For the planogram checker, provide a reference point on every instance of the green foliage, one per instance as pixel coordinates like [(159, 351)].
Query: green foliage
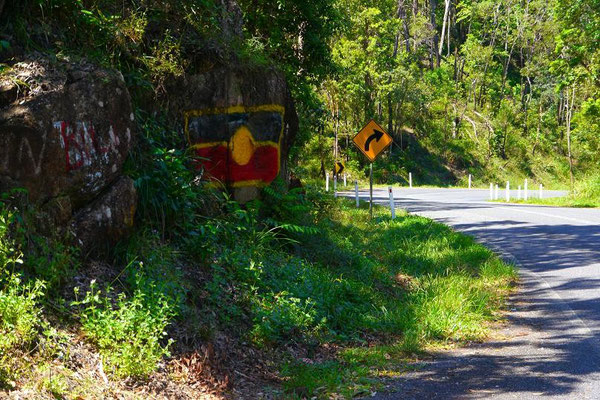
[(129, 332), (156, 38), (409, 278), (492, 106), (20, 317), (283, 317), (280, 26), (156, 266), (53, 261), (170, 192), (291, 210)]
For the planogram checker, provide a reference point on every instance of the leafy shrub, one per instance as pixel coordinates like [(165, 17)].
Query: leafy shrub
[(294, 210), (129, 332), (282, 316), (155, 266), (170, 194)]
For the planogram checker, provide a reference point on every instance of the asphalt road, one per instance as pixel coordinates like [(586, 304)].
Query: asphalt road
[(550, 346)]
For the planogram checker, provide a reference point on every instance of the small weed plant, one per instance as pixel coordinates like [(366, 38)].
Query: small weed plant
[(129, 332)]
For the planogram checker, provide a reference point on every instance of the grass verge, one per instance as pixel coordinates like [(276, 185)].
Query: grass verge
[(414, 284), (585, 195), (342, 300), (567, 201)]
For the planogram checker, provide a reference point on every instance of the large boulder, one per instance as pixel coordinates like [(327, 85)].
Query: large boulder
[(64, 129), (240, 123), (109, 217), (65, 132)]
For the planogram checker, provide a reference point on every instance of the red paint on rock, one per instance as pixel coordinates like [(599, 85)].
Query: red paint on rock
[(219, 165), (80, 143)]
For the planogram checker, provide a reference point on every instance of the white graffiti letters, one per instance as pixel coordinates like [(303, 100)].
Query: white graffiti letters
[(26, 154), (81, 144)]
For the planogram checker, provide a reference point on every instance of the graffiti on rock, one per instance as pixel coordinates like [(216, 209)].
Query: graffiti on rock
[(82, 147), (27, 156), (238, 146), (81, 144)]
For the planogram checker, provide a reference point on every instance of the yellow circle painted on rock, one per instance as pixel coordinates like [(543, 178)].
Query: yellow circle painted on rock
[(242, 146)]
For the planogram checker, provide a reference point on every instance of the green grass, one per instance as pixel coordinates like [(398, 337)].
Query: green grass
[(567, 201), (585, 195), (379, 290), (414, 283)]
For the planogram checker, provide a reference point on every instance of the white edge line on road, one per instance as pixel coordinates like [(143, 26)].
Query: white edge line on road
[(508, 256), (512, 208)]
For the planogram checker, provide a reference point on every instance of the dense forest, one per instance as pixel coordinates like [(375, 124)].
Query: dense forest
[(498, 88), (295, 294)]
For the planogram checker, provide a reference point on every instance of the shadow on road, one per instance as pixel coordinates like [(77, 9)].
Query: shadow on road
[(545, 349)]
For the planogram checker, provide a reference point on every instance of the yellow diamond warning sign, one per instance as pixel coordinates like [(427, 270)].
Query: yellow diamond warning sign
[(372, 140)]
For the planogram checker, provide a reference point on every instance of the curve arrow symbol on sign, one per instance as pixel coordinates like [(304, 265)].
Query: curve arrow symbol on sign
[(375, 136)]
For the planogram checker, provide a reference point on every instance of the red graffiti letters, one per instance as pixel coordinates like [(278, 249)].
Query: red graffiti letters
[(82, 146)]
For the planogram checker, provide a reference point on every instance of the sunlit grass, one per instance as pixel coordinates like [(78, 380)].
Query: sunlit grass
[(427, 285)]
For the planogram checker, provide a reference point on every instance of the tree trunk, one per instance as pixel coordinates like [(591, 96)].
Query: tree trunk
[(539, 129), (569, 110), (402, 15), (434, 45), (323, 172), (446, 9)]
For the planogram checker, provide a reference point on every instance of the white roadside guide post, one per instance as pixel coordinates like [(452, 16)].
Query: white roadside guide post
[(327, 182), (356, 193), (519, 193), (496, 193), (491, 191), (392, 207), (507, 191), (335, 185), (410, 179), (541, 190), (345, 180), (469, 181), (525, 194)]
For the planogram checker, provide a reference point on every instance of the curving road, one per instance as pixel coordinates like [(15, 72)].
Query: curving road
[(550, 347)]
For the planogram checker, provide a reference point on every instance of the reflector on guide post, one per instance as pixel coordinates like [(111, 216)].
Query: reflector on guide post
[(372, 140)]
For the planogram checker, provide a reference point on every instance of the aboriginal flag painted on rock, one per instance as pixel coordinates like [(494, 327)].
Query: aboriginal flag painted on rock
[(238, 146)]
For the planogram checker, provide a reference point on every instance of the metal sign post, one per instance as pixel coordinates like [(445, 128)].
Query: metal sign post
[(371, 190)]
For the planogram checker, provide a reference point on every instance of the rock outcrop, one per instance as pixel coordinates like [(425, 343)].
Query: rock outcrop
[(240, 123), (65, 132)]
